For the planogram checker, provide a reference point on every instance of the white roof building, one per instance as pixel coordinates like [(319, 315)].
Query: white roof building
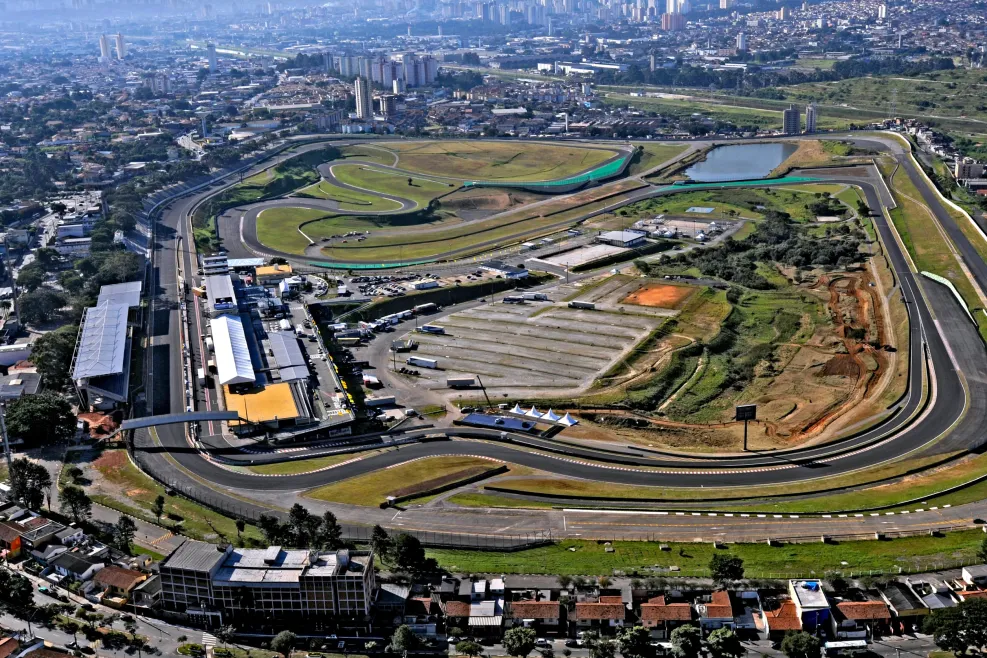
[(233, 362)]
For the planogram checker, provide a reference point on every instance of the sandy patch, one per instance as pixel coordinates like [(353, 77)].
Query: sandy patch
[(661, 295)]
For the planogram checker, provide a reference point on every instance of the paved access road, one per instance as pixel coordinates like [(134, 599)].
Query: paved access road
[(936, 318)]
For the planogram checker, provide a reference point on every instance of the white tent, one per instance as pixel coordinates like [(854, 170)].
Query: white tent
[(517, 409), (568, 421), (551, 416), (533, 413)]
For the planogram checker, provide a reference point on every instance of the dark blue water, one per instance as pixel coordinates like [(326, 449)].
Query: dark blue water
[(740, 162)]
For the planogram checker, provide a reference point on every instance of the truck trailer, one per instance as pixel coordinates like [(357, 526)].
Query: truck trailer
[(461, 382), (422, 362), (431, 329), (589, 306)]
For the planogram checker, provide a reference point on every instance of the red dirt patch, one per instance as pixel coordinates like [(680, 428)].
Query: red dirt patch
[(659, 295), (110, 461), (100, 424), (842, 364)]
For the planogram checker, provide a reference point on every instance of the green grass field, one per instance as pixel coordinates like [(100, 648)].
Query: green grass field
[(956, 93), (349, 199), (196, 521), (373, 488), (575, 557), (421, 190), (653, 155), (492, 161), (735, 203), (278, 228), (309, 465)]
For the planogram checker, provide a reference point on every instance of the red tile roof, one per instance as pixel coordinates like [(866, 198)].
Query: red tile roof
[(8, 645), (587, 611), (720, 605), (973, 594), (534, 610), (420, 606), (612, 599), (8, 533), (657, 610), (122, 579), (457, 609), (784, 618), (865, 610)]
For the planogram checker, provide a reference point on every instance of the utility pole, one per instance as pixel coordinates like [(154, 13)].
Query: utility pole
[(6, 441)]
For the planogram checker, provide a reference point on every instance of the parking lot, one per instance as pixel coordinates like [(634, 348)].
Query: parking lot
[(398, 285), (540, 347)]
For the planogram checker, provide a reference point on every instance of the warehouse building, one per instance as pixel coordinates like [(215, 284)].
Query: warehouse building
[(627, 238), (216, 585), (101, 363), (233, 363)]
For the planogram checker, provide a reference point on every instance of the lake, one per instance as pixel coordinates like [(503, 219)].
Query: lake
[(740, 162)]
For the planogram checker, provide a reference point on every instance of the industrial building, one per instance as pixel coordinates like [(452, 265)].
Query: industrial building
[(232, 355), (627, 238), (216, 585), (221, 295), (101, 363)]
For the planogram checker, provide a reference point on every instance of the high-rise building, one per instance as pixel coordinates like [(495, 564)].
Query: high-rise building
[(742, 43), (792, 120), (810, 118), (672, 22), (653, 62), (784, 14), (211, 57), (388, 105), (364, 107), (726, 4), (882, 12), (104, 48), (121, 47)]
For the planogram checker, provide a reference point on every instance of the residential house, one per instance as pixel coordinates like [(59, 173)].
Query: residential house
[(10, 541), (780, 616), (935, 594), (116, 585), (906, 607), (543, 616), (811, 603), (607, 612), (73, 566), (391, 599), (147, 595), (457, 614), (661, 617), (421, 615), (8, 646), (486, 617), (975, 575), (716, 612), (856, 620)]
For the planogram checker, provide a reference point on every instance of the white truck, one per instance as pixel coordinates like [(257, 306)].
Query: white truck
[(534, 296), (431, 329), (422, 362), (461, 382)]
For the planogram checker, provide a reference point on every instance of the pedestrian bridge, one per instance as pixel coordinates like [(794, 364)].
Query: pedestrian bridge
[(175, 419)]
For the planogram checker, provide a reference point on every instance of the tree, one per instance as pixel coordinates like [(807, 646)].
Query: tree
[(564, 581), (76, 503), (982, 551), (519, 641), (687, 642), (404, 639), (726, 567), (603, 649), (469, 648), (16, 592), (40, 419), (158, 508), (635, 642), (71, 627), (799, 644), (303, 524), (724, 643), (283, 643), (31, 277), (959, 629), (330, 533), (123, 533), (241, 525), (52, 355), (273, 529), (29, 483), (380, 542), (408, 552), (225, 634)]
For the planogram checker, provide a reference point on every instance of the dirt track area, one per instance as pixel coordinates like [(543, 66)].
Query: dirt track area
[(661, 295)]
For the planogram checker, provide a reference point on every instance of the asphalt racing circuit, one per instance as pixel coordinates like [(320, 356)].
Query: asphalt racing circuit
[(949, 416)]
